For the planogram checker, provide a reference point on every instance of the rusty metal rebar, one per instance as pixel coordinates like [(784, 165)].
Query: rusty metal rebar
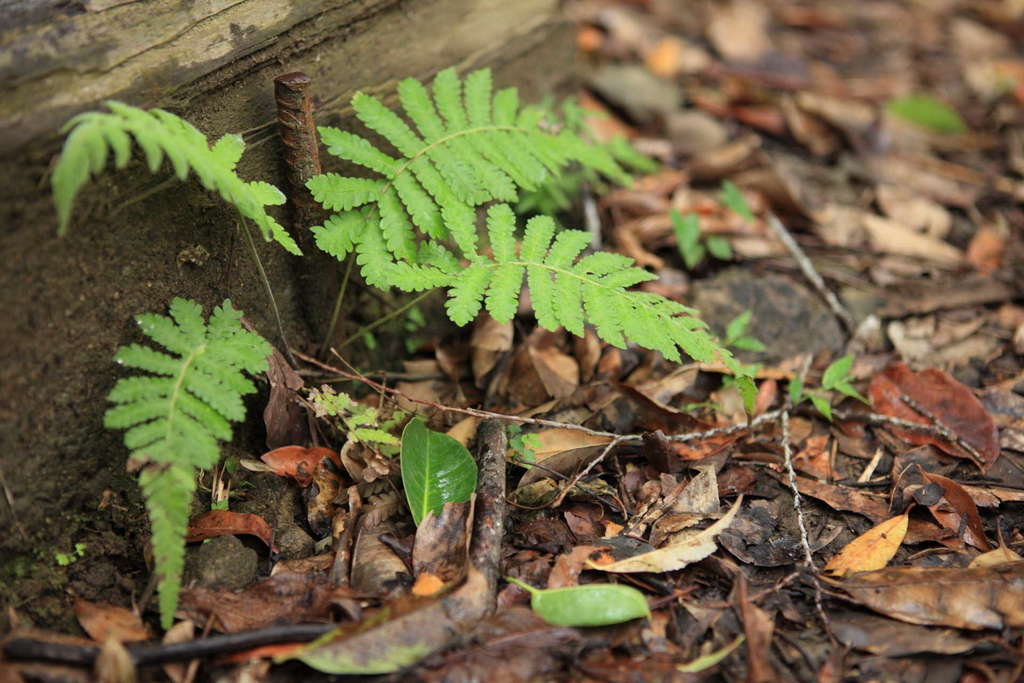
[(301, 147)]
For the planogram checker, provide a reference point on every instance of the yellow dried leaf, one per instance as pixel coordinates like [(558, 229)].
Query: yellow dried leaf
[(1000, 555), (680, 552), (871, 550)]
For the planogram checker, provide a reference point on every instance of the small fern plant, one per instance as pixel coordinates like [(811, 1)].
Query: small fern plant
[(361, 423), (414, 225), (177, 413), (94, 135)]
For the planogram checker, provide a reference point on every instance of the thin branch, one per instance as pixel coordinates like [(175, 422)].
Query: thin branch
[(487, 414), (270, 291), (938, 429), (151, 655), (811, 274), (380, 321), (336, 309)]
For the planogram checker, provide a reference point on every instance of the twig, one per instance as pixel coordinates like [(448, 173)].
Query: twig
[(938, 429), (787, 451), (586, 470), (244, 227), (491, 511), (152, 655), (635, 438), (811, 274), (380, 321)]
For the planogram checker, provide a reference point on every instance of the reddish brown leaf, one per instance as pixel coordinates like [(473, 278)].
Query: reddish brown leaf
[(283, 415), (107, 621), (297, 462), (224, 522), (986, 249), (947, 400), (957, 511), (758, 626)]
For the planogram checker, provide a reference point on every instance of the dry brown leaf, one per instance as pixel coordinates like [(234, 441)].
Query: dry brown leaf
[(681, 551), (871, 550), (985, 251), (739, 30), (914, 210), (103, 622), (956, 511), (464, 430), (558, 439), (979, 598), (1000, 555), (559, 372), (490, 339), (891, 237), (946, 399), (225, 522)]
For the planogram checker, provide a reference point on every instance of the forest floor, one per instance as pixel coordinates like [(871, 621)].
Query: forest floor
[(838, 191)]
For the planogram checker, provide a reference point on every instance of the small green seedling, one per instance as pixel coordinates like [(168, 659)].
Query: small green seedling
[(356, 421), (522, 445), (595, 604), (65, 559), (736, 336), (927, 112), (836, 378), (731, 196), (687, 229), (688, 239)]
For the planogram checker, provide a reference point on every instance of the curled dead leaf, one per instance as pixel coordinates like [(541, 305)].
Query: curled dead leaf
[(681, 551), (978, 598)]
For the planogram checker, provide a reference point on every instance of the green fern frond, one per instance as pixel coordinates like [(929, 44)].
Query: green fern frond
[(568, 291), (559, 192), (93, 135), (176, 415), (470, 146)]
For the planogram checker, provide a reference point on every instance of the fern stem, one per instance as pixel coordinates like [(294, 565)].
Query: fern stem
[(337, 307), (159, 187), (270, 292), (380, 321)]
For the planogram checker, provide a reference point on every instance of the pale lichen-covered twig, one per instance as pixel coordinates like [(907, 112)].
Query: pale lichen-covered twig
[(811, 274)]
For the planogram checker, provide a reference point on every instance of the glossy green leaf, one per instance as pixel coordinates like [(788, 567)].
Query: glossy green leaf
[(436, 469), (927, 112), (595, 604)]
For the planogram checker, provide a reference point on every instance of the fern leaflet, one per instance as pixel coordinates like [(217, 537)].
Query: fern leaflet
[(175, 416), (470, 147), (95, 134)]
